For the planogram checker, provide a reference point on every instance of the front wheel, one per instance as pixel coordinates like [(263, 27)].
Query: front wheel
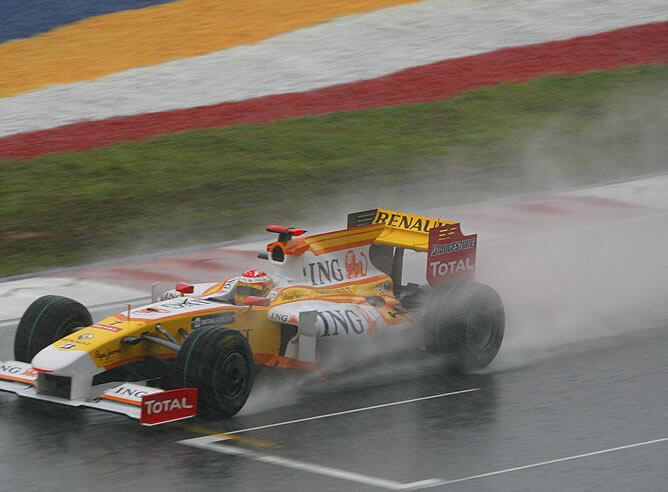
[(47, 320), (467, 322), (220, 363)]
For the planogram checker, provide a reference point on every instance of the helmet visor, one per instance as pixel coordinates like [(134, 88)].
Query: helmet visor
[(248, 290)]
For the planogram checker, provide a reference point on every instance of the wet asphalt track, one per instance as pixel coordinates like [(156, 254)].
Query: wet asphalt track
[(604, 394), (587, 416)]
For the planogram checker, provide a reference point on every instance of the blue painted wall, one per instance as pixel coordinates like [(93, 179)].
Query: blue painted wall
[(25, 18)]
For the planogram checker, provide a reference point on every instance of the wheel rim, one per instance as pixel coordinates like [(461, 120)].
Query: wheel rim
[(480, 330), (233, 375)]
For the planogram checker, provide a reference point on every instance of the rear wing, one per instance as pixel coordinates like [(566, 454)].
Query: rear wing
[(402, 230), (451, 256)]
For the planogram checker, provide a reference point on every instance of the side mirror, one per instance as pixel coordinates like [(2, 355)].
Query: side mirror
[(257, 301), (185, 288)]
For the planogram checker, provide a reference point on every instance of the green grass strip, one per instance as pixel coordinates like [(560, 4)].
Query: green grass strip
[(213, 185)]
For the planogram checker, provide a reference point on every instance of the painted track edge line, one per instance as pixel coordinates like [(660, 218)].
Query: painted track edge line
[(557, 460), (221, 435), (580, 228), (314, 468)]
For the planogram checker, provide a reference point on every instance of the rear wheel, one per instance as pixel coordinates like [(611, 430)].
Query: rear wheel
[(47, 320), (220, 363), (467, 322)]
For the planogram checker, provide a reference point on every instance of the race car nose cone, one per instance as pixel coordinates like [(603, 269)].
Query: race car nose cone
[(67, 362)]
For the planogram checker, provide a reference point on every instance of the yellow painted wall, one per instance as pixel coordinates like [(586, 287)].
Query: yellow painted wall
[(103, 45)]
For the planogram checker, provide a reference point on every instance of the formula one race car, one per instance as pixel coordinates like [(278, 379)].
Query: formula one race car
[(198, 345)]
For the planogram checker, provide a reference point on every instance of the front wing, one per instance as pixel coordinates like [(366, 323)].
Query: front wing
[(151, 406)]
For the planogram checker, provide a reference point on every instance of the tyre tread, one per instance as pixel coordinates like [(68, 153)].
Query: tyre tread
[(46, 320)]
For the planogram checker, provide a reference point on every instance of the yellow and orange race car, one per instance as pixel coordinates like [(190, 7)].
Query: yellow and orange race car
[(197, 345)]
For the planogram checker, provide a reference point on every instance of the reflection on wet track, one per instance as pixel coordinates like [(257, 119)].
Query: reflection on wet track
[(588, 417)]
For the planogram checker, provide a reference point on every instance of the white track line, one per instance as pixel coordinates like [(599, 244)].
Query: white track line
[(218, 437), (313, 468), (558, 460), (381, 482), (580, 228)]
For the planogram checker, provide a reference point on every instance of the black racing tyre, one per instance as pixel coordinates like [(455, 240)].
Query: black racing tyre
[(467, 322), (219, 363), (47, 320)]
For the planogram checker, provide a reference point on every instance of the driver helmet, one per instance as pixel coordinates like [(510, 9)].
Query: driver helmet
[(252, 283)]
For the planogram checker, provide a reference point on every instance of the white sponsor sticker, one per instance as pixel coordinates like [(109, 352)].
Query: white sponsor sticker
[(17, 371), (129, 393)]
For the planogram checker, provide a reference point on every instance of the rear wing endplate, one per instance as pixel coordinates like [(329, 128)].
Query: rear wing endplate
[(451, 256)]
